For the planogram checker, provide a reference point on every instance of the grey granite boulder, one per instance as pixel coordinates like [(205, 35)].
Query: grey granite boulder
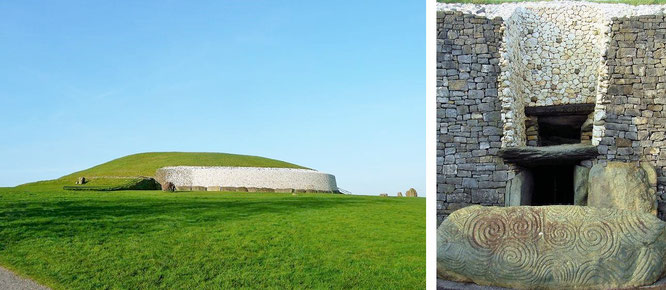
[(622, 185)]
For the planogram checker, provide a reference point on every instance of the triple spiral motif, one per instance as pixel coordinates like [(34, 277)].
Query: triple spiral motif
[(553, 245)]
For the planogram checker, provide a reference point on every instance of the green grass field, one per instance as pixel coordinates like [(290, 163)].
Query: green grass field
[(152, 239), (207, 240), (631, 2)]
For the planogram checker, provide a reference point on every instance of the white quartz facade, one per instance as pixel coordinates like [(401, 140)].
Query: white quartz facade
[(248, 177)]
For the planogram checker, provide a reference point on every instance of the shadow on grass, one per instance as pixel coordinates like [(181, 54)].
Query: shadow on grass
[(26, 219)]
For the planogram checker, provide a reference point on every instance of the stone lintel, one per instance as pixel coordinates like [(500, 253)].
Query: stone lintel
[(554, 110), (529, 156)]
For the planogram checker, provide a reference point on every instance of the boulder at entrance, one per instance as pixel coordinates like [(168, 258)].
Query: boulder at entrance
[(551, 247)]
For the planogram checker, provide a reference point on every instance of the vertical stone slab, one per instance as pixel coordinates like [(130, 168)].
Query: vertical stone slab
[(520, 189), (581, 174)]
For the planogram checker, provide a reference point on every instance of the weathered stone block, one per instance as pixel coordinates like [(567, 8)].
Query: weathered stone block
[(621, 185), (285, 190), (458, 85), (551, 247), (411, 193)]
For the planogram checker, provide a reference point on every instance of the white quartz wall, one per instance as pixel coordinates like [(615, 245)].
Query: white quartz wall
[(560, 54), (274, 178)]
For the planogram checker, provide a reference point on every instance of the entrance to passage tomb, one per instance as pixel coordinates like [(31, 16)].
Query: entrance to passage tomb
[(553, 185), (558, 138), (544, 185)]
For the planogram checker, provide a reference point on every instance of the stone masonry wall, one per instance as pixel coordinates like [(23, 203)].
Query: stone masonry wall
[(468, 113), (550, 56), (560, 54), (635, 115)]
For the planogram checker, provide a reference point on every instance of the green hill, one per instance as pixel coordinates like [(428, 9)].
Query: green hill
[(145, 164)]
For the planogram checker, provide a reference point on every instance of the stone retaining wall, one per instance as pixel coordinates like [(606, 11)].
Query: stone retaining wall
[(634, 119), (468, 113), (247, 179)]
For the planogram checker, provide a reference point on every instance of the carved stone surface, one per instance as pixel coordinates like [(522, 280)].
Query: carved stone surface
[(551, 247), (623, 186)]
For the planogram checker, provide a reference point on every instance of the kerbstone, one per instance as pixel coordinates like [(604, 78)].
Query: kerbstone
[(551, 247)]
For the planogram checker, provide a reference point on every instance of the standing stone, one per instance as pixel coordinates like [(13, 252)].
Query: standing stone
[(411, 193), (519, 189), (168, 186), (383, 194), (399, 194), (81, 180), (581, 174), (621, 185)]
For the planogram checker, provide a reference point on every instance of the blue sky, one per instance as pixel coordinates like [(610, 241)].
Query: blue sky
[(332, 85)]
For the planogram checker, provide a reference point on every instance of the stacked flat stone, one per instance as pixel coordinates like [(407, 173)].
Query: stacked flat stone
[(634, 120), (468, 112)]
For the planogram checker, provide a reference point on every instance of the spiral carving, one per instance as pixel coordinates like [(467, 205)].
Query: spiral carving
[(488, 231), (560, 235), (524, 224), (597, 237), (515, 256), (553, 247)]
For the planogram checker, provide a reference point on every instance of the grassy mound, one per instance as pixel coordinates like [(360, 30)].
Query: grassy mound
[(145, 165), (212, 240)]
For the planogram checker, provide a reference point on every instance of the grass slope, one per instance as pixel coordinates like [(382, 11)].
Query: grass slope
[(151, 239), (631, 2), (145, 164)]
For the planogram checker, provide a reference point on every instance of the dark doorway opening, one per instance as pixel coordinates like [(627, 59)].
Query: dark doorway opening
[(553, 185), (563, 129)]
